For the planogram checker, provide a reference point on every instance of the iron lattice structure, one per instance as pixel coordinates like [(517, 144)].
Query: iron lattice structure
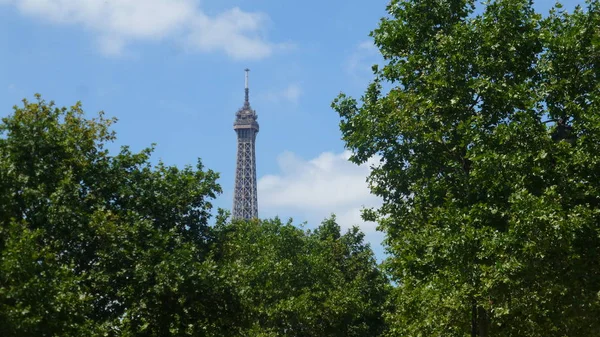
[(245, 200)]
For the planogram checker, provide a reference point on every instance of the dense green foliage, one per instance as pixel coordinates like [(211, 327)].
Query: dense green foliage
[(293, 282), (491, 212), (93, 244)]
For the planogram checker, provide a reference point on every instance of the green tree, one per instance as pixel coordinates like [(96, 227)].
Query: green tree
[(294, 282), (95, 244), (491, 211)]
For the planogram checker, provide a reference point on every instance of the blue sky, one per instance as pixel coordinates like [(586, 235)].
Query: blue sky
[(172, 72)]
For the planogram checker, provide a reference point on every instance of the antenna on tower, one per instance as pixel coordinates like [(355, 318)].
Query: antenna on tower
[(247, 90)]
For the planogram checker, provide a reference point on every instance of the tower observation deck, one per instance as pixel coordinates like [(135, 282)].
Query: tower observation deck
[(245, 200)]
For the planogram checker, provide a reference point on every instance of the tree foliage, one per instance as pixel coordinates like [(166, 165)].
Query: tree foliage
[(95, 244), (489, 172), (293, 282)]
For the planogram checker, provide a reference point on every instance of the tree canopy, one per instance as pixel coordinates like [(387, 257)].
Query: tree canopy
[(295, 282), (96, 244), (489, 174)]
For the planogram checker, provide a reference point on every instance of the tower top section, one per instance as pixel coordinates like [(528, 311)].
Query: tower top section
[(245, 118)]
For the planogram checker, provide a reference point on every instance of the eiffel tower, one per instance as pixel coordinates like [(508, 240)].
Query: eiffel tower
[(245, 201)]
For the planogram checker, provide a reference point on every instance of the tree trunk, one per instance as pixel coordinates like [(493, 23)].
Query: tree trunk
[(483, 322), (480, 322), (474, 319)]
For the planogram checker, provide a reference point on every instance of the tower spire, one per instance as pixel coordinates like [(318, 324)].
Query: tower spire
[(245, 201), (247, 90)]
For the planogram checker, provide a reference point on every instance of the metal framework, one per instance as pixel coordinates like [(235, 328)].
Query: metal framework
[(245, 201)]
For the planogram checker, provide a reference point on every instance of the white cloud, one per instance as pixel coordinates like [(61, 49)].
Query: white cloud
[(291, 93), (318, 187), (117, 23), (234, 31), (368, 46), (358, 64)]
